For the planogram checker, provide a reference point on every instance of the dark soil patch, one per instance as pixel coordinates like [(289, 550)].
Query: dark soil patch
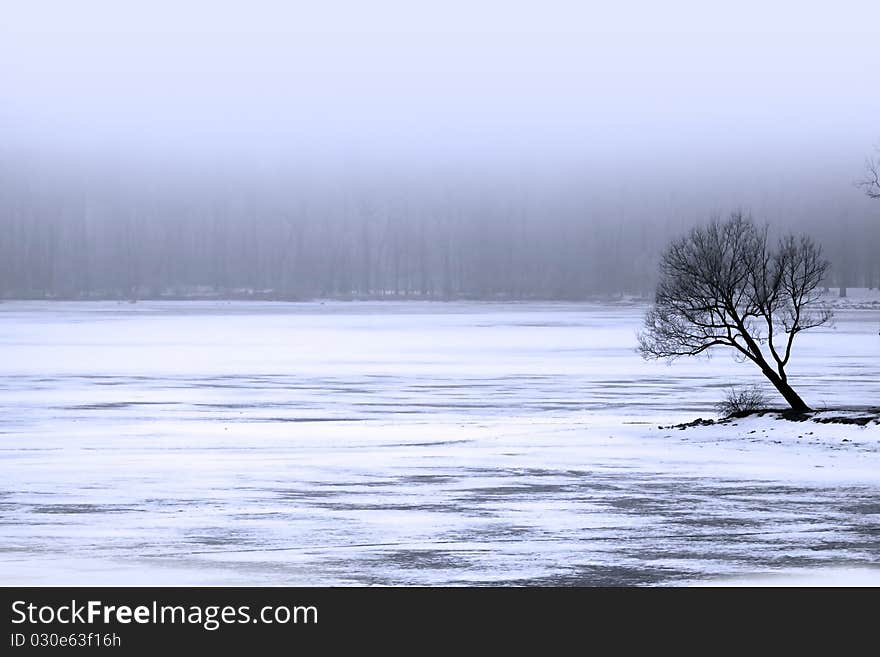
[(855, 416)]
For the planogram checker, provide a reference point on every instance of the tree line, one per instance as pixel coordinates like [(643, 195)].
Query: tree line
[(67, 241), (96, 234)]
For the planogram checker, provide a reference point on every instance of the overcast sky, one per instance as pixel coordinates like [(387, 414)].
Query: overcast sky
[(639, 86)]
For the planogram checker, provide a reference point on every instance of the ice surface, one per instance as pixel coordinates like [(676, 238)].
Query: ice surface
[(414, 443)]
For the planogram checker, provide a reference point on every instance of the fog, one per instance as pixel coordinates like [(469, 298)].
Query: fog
[(440, 150)]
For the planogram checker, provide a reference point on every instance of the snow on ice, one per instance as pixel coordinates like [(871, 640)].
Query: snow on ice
[(417, 443)]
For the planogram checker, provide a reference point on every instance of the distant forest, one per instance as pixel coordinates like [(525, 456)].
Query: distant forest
[(98, 235)]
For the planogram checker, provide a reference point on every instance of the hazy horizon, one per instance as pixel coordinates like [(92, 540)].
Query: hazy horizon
[(576, 120)]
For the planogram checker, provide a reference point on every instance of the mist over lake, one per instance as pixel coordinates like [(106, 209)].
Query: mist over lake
[(439, 294)]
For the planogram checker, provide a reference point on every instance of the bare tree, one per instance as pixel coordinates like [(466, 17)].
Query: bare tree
[(871, 182), (724, 285)]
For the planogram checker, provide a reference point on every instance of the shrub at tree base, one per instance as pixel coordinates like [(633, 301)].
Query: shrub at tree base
[(742, 401)]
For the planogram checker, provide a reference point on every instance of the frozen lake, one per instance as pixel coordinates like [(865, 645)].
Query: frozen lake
[(409, 443)]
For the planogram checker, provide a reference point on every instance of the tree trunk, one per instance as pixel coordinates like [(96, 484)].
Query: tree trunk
[(794, 400)]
